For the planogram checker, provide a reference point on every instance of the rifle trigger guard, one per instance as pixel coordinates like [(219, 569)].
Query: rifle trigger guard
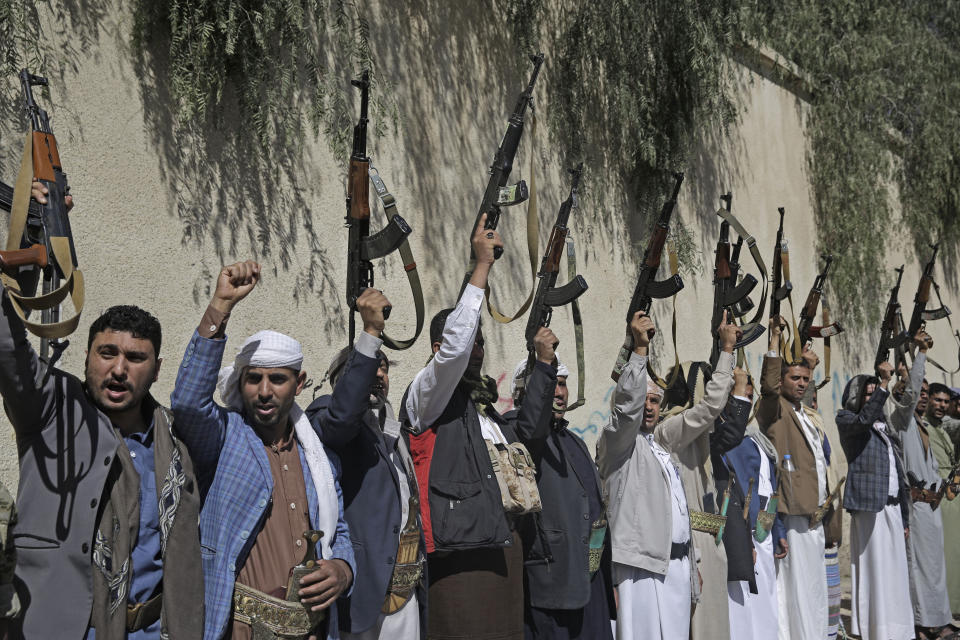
[(559, 296), (385, 241), (664, 288)]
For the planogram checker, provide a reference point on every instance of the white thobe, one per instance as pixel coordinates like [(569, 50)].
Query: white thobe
[(802, 575), (880, 599), (653, 605)]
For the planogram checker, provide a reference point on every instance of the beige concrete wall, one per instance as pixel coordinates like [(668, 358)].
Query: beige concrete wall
[(153, 231)]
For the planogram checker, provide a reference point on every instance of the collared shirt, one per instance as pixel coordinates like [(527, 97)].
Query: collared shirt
[(146, 558), (680, 518), (280, 545), (816, 445)]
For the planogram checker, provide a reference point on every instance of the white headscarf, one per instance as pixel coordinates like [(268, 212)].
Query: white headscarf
[(517, 382), (273, 350)]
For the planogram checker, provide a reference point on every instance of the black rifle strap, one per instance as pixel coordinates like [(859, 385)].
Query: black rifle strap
[(577, 331), (389, 204), (533, 238)]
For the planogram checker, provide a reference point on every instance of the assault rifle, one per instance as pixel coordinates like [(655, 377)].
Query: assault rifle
[(548, 295), (498, 194), (892, 335), (780, 288), (805, 328), (920, 313), (42, 243), (363, 248), (727, 292), (647, 288)]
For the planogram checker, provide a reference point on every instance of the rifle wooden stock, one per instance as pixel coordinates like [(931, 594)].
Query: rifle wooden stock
[(657, 240), (33, 255), (555, 248), (358, 189)]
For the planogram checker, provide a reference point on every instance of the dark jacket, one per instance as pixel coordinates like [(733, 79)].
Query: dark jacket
[(737, 540), (868, 472), (745, 459), (557, 540), (371, 492), (460, 503)]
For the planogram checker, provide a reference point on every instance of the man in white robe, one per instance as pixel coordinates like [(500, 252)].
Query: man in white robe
[(877, 498), (653, 567)]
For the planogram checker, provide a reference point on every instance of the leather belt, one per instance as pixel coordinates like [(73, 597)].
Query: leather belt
[(893, 500), (679, 550), (144, 614)]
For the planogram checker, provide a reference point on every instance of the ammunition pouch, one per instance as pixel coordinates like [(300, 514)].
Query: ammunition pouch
[(516, 475)]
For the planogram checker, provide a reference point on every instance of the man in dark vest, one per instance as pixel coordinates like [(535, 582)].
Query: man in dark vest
[(380, 497), (567, 551), (475, 556), (106, 539)]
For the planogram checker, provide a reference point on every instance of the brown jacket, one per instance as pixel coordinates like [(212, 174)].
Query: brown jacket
[(777, 420)]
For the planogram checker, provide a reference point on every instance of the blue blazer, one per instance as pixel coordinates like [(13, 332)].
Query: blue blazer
[(371, 493), (745, 459)]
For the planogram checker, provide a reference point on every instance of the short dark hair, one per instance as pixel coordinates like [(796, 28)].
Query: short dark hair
[(938, 387), (786, 365), (134, 320)]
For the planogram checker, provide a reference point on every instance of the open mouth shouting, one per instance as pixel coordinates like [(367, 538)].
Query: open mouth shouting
[(117, 391)]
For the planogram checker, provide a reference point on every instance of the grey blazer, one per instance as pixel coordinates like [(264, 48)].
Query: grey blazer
[(67, 449)]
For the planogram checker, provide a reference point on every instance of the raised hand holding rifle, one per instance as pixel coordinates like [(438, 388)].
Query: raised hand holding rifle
[(647, 288), (548, 295), (46, 225), (498, 193), (363, 248), (727, 293)]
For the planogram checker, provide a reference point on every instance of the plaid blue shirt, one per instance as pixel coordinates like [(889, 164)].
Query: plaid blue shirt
[(234, 475)]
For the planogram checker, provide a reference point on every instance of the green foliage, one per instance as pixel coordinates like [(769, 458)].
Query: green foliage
[(270, 61), (883, 120)]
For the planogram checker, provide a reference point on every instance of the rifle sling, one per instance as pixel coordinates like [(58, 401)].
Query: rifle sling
[(674, 265), (389, 204), (757, 259), (533, 237), (577, 331), (826, 343), (73, 278)]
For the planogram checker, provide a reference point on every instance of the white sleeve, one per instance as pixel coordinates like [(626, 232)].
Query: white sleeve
[(434, 385)]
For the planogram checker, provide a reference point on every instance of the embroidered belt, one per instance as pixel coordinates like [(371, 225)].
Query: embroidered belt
[(598, 531), (712, 523), (407, 572), (272, 618)]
